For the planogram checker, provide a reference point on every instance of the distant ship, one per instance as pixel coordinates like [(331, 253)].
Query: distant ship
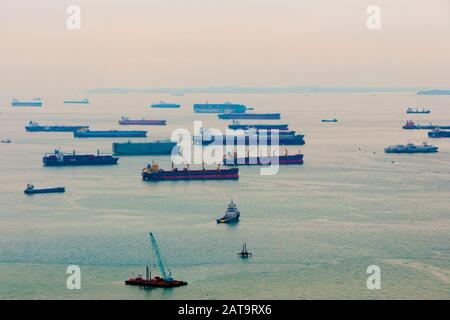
[(154, 173), (124, 121), (438, 133), (410, 125), (32, 190), (7, 140), (58, 159), (36, 127), (416, 110), (163, 147), (253, 139), (226, 107), (81, 101), (34, 103), (237, 126), (411, 148), (253, 116), (330, 120), (165, 105), (231, 215), (263, 160), (109, 134)]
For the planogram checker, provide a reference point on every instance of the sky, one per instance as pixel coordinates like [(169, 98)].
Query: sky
[(201, 43)]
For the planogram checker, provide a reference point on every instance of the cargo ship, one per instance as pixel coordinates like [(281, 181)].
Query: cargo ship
[(154, 173), (81, 101), (58, 159), (36, 127), (164, 281), (263, 160), (409, 125), (34, 103), (438, 133), (238, 126), (165, 105), (32, 190), (226, 107), (125, 121), (253, 116), (231, 215), (248, 140), (330, 120), (417, 110), (159, 147), (411, 148), (86, 133)]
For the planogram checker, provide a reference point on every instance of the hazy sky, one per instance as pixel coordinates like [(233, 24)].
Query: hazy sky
[(193, 43)]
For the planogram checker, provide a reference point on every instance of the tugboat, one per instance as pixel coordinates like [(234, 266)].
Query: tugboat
[(31, 190), (154, 173), (438, 133), (244, 253), (164, 281), (411, 148), (416, 110), (231, 215)]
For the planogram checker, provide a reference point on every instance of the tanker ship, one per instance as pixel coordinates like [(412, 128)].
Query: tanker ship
[(86, 133), (154, 173), (165, 105), (263, 160), (36, 127), (124, 121), (249, 140)]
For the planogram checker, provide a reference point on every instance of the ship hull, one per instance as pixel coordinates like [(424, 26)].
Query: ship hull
[(79, 160), (166, 106), (296, 140), (418, 127), (430, 150), (253, 116), (142, 122), (219, 108), (75, 102), (26, 104), (257, 161), (230, 220), (110, 134), (151, 148), (48, 190), (258, 126), (223, 174), (54, 128), (155, 283), (440, 134)]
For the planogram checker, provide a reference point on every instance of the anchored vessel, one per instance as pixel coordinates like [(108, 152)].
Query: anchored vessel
[(237, 126), (7, 140), (31, 190), (81, 101), (231, 215), (253, 139), (411, 148), (244, 253), (254, 116), (266, 160), (34, 103), (86, 133), (226, 107), (124, 121), (36, 127), (58, 159), (416, 110), (154, 173), (165, 105), (438, 133), (409, 125), (163, 147), (164, 281), (330, 120)]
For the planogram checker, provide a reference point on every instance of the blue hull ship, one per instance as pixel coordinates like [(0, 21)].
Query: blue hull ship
[(237, 126), (59, 159), (35, 103), (226, 107), (165, 105), (253, 116), (109, 134), (411, 148), (82, 101), (437, 133), (35, 127), (289, 140), (129, 148)]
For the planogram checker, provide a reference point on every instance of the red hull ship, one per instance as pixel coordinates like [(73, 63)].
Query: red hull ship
[(154, 173)]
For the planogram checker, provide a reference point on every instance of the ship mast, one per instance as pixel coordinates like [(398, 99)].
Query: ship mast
[(166, 275)]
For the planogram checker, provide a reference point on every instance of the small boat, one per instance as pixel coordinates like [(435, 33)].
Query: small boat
[(31, 190), (7, 140), (231, 215), (330, 120), (244, 252), (417, 110)]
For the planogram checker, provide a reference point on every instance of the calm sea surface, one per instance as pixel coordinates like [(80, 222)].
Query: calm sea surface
[(313, 229)]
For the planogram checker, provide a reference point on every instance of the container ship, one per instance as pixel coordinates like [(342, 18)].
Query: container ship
[(154, 173), (226, 107), (86, 133), (163, 147), (125, 121), (231, 215), (34, 103), (438, 133), (165, 105), (253, 116), (238, 126), (164, 281), (36, 127), (417, 110), (58, 159), (411, 148), (266, 160), (81, 101), (409, 125)]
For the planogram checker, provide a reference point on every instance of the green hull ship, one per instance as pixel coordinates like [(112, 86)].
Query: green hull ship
[(163, 147)]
